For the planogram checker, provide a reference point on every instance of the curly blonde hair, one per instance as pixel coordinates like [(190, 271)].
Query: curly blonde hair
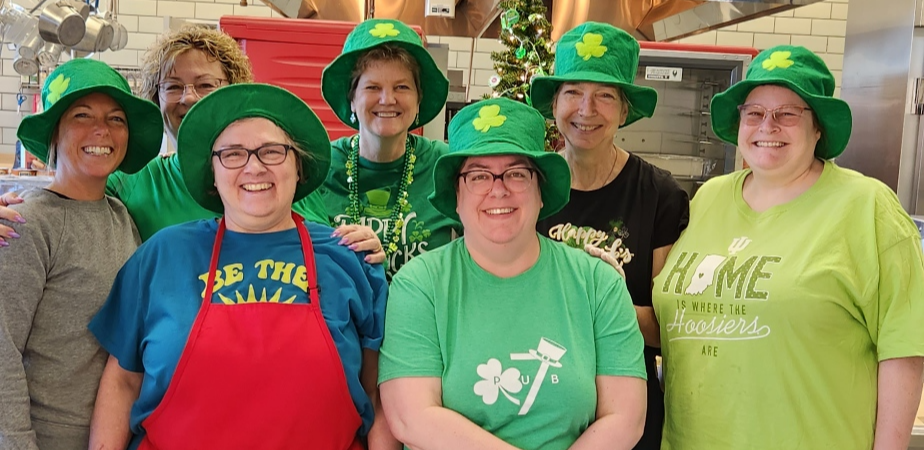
[(218, 46)]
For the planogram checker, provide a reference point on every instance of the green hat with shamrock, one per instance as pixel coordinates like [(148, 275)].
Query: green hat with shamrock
[(597, 53), (493, 127), (801, 71), (78, 78), (338, 75), (209, 117)]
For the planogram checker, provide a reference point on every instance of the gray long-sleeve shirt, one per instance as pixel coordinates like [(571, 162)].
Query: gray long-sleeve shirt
[(52, 281)]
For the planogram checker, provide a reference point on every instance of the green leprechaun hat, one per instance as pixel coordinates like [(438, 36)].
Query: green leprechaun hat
[(801, 71), (337, 76), (597, 53), (209, 117), (499, 126), (78, 78)]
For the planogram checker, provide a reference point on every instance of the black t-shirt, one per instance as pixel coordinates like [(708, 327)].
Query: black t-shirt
[(642, 209)]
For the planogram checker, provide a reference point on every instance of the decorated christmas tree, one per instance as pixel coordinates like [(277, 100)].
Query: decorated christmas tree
[(527, 33)]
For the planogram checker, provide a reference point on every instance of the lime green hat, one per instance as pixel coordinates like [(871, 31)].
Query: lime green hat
[(337, 76), (209, 117), (801, 71), (597, 53), (499, 126), (78, 78)]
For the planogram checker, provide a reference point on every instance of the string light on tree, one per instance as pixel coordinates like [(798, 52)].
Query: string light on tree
[(524, 30)]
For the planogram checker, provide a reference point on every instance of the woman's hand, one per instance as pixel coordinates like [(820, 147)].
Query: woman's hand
[(607, 257), (361, 239), (7, 233)]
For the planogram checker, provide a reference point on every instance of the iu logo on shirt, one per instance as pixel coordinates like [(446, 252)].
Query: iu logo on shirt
[(509, 382)]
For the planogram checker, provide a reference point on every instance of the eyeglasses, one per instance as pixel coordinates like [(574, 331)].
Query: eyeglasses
[(173, 91), (786, 115), (480, 182), (268, 155)]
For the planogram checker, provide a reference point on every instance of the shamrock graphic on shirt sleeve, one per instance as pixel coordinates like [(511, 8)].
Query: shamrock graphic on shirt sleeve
[(488, 116), (383, 30), (592, 46), (496, 380)]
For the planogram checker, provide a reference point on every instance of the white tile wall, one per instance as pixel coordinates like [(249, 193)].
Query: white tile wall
[(819, 27)]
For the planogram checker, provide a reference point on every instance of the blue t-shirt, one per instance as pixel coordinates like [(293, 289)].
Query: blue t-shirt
[(157, 294)]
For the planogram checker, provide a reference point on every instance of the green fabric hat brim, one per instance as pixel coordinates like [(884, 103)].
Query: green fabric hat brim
[(209, 117), (556, 189), (145, 126), (833, 114), (336, 78), (642, 99)]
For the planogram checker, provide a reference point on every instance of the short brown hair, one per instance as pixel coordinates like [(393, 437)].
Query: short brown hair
[(384, 53), (218, 46)]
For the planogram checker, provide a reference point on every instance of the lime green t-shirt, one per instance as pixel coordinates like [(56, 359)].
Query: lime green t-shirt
[(156, 198), (424, 227), (773, 324), (517, 356)]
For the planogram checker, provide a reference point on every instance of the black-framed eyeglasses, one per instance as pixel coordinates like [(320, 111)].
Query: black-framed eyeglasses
[(173, 91), (515, 179), (786, 115), (268, 155)]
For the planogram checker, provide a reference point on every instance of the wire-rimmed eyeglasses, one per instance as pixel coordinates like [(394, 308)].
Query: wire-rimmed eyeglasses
[(173, 91), (786, 115)]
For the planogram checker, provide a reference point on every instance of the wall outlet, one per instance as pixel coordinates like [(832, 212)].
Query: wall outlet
[(440, 8)]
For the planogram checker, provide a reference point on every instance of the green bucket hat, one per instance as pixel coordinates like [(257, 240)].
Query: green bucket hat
[(337, 76), (499, 126), (78, 78), (801, 71), (209, 117), (597, 53)]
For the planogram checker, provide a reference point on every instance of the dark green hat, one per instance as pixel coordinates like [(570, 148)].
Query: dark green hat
[(209, 117), (78, 78), (597, 53), (499, 126), (335, 81), (801, 71)]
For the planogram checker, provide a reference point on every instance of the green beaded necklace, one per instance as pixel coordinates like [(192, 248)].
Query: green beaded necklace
[(402, 205)]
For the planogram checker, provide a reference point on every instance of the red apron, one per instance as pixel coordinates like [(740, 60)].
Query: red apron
[(257, 376)]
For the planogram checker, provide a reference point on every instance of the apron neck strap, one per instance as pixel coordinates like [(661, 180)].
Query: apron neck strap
[(307, 254)]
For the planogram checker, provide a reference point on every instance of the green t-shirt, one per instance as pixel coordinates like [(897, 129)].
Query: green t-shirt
[(517, 356), (424, 227), (156, 198), (773, 324)]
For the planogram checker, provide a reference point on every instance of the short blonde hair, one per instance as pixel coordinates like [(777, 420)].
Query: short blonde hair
[(218, 46)]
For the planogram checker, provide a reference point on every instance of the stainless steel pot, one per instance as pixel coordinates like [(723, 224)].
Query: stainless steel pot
[(98, 36), (32, 45), (63, 22), (25, 66), (119, 36), (49, 54)]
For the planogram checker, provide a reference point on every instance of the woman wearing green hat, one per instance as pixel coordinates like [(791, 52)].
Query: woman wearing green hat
[(384, 84), (267, 335), (622, 206), (791, 307), (504, 339), (57, 274), (178, 70)]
